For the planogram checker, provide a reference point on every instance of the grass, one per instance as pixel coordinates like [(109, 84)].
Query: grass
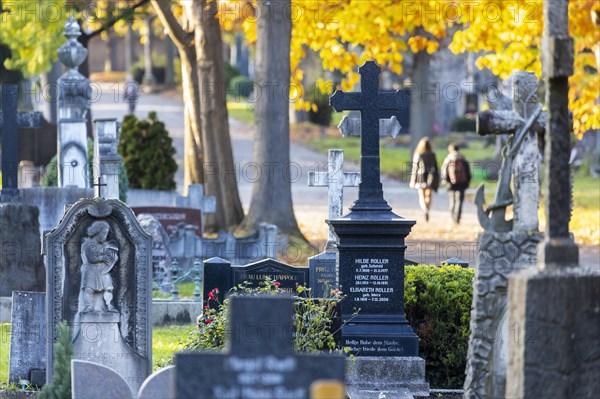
[(242, 110), (186, 290), (166, 341)]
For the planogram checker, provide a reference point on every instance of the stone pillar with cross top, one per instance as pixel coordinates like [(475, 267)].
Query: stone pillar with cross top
[(335, 179), (370, 258), (107, 160), (11, 120), (73, 105), (556, 306)]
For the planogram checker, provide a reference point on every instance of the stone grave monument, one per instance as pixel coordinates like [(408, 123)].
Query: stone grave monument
[(259, 359), (21, 265), (107, 160), (99, 281), (73, 106), (28, 338), (371, 263), (505, 245), (557, 304), (323, 272)]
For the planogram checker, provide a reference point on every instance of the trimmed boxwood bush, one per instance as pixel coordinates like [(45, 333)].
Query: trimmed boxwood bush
[(148, 153), (438, 306)]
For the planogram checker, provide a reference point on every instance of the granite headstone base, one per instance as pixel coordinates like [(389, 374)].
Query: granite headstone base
[(21, 264), (28, 337), (498, 255), (392, 375), (556, 354), (99, 340)]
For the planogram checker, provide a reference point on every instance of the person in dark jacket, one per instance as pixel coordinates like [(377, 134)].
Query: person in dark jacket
[(456, 175), (425, 175)]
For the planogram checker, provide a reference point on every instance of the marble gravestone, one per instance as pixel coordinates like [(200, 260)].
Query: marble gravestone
[(259, 359), (370, 260), (99, 281)]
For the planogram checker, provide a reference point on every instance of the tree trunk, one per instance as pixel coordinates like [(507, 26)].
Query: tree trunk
[(421, 121), (271, 193), (219, 172), (128, 42), (193, 148), (169, 71), (108, 52), (149, 79)]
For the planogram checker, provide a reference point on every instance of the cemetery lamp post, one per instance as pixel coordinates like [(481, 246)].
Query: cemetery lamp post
[(371, 244)]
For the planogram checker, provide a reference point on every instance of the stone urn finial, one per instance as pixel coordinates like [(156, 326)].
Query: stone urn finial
[(72, 53)]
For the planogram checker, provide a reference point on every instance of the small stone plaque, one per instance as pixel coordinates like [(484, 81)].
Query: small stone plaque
[(255, 273), (170, 217), (259, 361), (323, 274)]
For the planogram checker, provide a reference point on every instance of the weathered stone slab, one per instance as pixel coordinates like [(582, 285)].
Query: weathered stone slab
[(159, 385), (92, 381), (161, 253), (21, 265), (27, 335), (171, 217), (323, 274), (498, 255)]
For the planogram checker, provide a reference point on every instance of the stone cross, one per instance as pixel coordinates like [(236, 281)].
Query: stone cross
[(259, 360), (10, 121), (521, 158), (369, 101), (351, 126), (558, 247), (335, 179), (107, 161)]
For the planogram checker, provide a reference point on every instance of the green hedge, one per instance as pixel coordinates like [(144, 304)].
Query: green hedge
[(438, 306), (322, 116), (241, 86)]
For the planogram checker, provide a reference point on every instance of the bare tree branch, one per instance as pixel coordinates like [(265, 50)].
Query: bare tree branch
[(180, 37), (111, 21)]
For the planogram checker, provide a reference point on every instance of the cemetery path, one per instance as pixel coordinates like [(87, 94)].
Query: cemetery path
[(430, 242)]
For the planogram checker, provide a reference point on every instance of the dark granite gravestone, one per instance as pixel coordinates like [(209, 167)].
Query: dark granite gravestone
[(371, 247), (27, 336), (259, 360), (323, 274), (255, 273), (161, 255), (217, 274), (171, 217), (10, 121), (99, 281)]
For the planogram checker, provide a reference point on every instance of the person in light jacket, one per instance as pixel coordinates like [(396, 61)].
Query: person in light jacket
[(425, 176)]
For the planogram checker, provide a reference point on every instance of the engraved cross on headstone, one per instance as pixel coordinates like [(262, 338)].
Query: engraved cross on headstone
[(10, 122), (335, 179), (369, 101)]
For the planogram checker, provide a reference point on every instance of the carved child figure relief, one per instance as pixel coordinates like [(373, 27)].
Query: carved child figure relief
[(99, 256)]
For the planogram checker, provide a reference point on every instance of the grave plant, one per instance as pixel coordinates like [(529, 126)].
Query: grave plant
[(313, 319)]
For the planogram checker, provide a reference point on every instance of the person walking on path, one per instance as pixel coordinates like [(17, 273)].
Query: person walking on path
[(456, 175), (425, 176)]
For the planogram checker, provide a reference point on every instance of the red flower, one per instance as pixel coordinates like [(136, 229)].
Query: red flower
[(206, 307), (335, 292), (216, 290), (276, 284), (211, 296), (208, 321)]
